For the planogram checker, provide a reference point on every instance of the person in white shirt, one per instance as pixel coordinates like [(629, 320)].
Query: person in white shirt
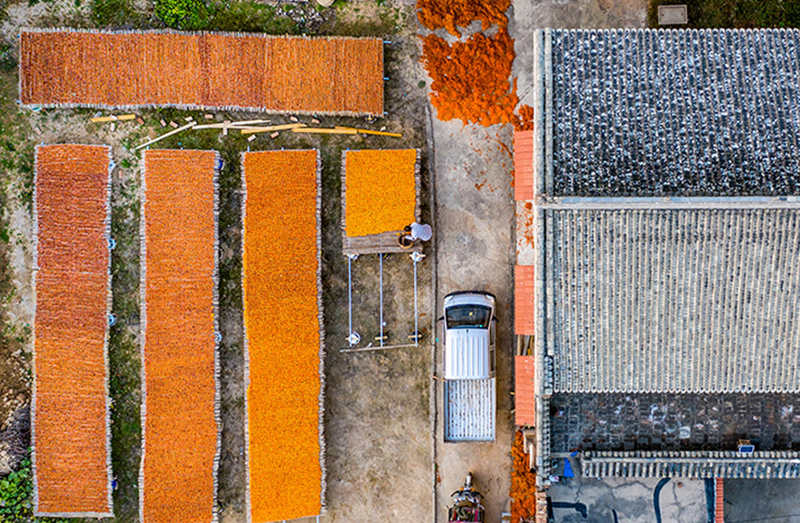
[(416, 231)]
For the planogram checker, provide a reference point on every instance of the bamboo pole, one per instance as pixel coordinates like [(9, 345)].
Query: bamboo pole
[(270, 128), (321, 130), (230, 125), (112, 118), (370, 131), (379, 133), (159, 138)]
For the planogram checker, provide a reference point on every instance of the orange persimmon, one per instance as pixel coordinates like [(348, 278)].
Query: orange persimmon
[(280, 264), (277, 73), (380, 190), (69, 420), (180, 430)]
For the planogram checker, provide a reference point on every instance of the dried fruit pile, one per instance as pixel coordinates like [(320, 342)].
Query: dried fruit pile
[(450, 14), (523, 483), (380, 190), (276, 73), (471, 78), (179, 272), (70, 431), (282, 318)]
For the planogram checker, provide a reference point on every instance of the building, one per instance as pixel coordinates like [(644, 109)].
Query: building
[(660, 236)]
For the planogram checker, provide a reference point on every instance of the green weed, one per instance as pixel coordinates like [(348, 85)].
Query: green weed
[(16, 496)]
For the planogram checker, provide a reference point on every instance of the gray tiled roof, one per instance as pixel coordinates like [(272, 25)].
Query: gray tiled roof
[(720, 464), (674, 422), (686, 300), (689, 112)]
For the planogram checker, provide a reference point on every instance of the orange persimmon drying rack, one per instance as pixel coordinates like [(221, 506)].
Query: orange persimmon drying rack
[(281, 286), (385, 171), (70, 408), (201, 70)]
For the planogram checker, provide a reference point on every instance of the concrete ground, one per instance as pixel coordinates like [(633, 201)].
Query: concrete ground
[(767, 501), (474, 221), (628, 500)]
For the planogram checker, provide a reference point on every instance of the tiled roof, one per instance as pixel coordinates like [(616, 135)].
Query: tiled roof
[(674, 112), (524, 315), (524, 404), (721, 464), (673, 300), (523, 165), (674, 422)]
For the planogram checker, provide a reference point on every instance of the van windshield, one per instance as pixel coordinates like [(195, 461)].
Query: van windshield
[(468, 317)]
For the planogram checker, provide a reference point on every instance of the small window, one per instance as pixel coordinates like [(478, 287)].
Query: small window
[(468, 317)]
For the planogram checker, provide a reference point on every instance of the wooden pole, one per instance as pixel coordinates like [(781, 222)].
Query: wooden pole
[(320, 130), (379, 133), (159, 138), (270, 128), (231, 125), (370, 131), (112, 118)]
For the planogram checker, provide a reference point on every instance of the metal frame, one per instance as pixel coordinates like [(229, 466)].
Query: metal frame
[(353, 337)]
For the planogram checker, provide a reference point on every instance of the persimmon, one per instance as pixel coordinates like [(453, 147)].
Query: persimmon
[(70, 431), (275, 73), (451, 14), (523, 483), (280, 266), (180, 430), (380, 190)]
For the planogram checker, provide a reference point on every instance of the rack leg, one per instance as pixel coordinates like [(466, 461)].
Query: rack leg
[(416, 318), (416, 257), (349, 296), (353, 338), (380, 285)]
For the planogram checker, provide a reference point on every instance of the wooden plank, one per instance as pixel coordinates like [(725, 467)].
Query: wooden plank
[(376, 243), (370, 131), (379, 133)]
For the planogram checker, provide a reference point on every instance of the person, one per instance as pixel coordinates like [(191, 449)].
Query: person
[(412, 233), (419, 231)]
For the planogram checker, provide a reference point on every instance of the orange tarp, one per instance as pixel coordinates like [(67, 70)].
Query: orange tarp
[(380, 190), (282, 318), (333, 75), (180, 428), (70, 417)]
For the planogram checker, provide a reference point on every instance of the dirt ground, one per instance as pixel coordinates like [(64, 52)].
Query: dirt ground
[(378, 432)]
